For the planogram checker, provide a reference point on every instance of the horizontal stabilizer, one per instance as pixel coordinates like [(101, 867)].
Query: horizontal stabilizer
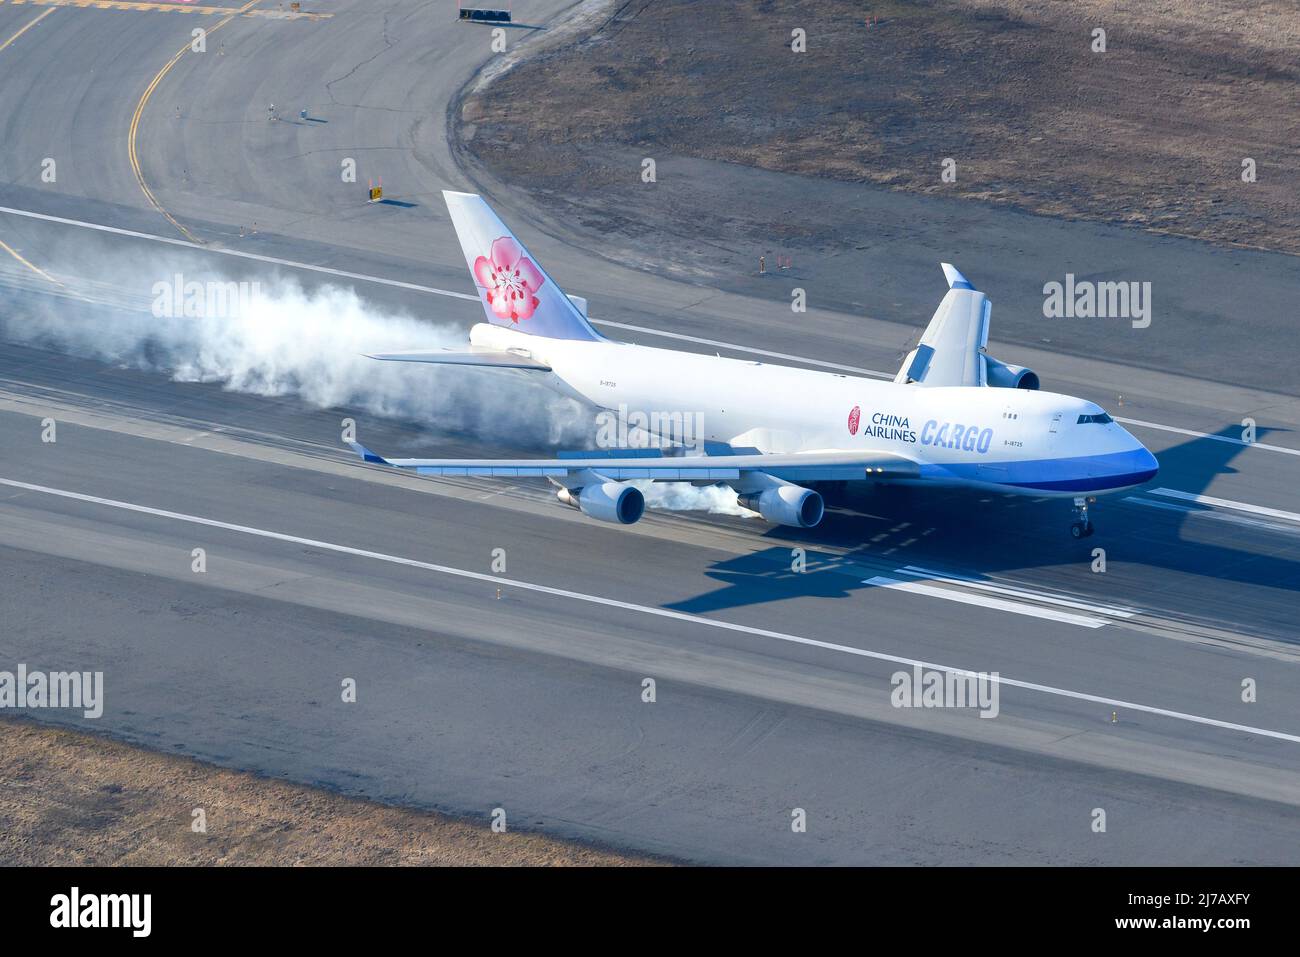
[(477, 357)]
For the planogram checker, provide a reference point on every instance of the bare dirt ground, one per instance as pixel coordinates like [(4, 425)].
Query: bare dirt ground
[(1150, 133), (80, 799)]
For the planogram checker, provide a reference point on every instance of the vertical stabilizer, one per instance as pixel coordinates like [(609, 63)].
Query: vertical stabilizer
[(515, 290)]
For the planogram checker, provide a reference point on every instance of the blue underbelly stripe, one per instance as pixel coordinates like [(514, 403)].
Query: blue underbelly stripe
[(1082, 473)]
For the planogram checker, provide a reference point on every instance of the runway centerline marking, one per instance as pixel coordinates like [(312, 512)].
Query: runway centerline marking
[(647, 610), (680, 337)]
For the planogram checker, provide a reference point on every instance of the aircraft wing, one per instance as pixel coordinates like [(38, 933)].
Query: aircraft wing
[(625, 464), (474, 357), (950, 349)]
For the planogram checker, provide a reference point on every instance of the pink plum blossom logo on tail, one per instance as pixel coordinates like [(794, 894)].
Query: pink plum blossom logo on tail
[(510, 279)]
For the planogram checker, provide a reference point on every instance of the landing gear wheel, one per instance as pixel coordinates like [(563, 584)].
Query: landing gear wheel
[(1082, 528)]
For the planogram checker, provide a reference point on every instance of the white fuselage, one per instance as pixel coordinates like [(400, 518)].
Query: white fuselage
[(1014, 440)]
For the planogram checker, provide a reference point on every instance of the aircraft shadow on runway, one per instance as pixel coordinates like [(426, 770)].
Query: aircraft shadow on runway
[(978, 534)]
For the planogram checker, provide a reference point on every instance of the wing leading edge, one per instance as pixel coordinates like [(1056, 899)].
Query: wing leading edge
[(794, 467)]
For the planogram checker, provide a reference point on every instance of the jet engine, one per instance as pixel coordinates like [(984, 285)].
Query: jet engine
[(786, 505), (606, 502), (1003, 376)]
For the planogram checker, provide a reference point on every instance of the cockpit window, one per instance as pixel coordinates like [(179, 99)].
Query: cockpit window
[(1100, 417)]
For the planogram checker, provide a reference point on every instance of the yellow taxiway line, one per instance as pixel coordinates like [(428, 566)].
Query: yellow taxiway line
[(23, 30), (139, 111), (36, 269), (137, 6), (3, 245)]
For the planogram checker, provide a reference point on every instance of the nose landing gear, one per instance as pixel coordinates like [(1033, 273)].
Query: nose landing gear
[(1082, 526)]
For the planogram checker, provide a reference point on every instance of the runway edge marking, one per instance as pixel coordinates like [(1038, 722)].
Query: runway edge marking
[(648, 610)]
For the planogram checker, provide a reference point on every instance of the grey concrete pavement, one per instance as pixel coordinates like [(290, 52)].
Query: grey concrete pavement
[(533, 701)]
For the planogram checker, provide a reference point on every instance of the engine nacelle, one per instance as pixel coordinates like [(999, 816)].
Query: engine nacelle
[(607, 502), (1003, 376), (787, 505)]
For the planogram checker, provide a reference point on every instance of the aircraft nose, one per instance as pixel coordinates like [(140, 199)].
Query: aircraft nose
[(1145, 464)]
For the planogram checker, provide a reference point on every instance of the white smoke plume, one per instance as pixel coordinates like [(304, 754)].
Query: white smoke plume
[(285, 340), (684, 497)]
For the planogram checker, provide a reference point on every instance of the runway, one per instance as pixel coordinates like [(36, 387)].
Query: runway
[(1122, 689)]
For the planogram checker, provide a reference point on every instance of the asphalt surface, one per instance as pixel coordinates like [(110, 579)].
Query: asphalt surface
[(533, 701)]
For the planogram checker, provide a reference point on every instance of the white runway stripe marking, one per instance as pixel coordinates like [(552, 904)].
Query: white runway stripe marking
[(238, 253), (1226, 503), (1113, 611), (717, 343), (986, 601), (1218, 516), (656, 612), (1207, 435)]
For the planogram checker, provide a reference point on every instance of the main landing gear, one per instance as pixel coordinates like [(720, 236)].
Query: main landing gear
[(1082, 526)]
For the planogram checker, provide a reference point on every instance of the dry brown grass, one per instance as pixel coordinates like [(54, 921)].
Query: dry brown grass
[(71, 798), (1151, 132)]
